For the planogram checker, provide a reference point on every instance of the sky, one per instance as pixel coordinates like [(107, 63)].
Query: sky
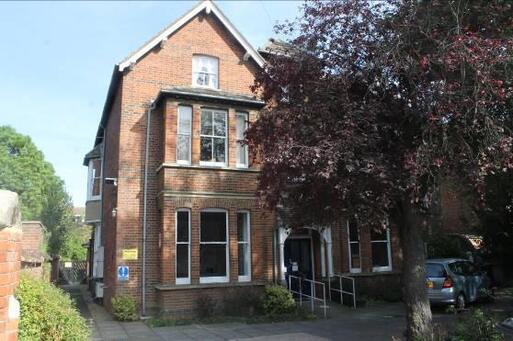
[(56, 59)]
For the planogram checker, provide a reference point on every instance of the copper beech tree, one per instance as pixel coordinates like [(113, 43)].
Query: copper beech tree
[(372, 103)]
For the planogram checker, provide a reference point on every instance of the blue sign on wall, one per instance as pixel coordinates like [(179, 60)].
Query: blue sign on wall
[(123, 273)]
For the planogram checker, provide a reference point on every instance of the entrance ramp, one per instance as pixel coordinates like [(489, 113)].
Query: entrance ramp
[(341, 288)]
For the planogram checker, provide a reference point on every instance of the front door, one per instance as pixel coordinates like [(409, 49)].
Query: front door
[(297, 252)]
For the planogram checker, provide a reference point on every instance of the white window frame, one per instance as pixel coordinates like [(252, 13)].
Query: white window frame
[(214, 163), (349, 242), (239, 145), (182, 280), (91, 177), (245, 278), (216, 279), (183, 162), (210, 74), (389, 253)]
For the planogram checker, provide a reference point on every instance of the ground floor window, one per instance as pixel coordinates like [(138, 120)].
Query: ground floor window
[(243, 243), (353, 237), (381, 253), (214, 266), (183, 246)]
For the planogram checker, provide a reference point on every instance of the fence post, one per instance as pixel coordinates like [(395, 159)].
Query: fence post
[(341, 291), (354, 296), (312, 297), (300, 292), (329, 286), (324, 298)]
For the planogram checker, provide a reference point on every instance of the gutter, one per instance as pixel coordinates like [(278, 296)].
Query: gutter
[(145, 206)]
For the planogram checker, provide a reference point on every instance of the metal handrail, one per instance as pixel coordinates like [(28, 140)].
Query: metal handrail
[(312, 296), (341, 290)]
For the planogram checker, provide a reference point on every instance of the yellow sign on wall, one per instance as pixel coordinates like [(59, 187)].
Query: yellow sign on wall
[(129, 254)]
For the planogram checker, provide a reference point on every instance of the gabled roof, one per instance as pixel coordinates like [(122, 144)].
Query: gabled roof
[(206, 5), (210, 8)]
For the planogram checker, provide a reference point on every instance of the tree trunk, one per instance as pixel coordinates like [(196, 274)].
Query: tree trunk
[(418, 311)]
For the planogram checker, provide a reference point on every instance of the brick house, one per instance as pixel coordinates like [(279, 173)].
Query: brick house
[(32, 246), (171, 191)]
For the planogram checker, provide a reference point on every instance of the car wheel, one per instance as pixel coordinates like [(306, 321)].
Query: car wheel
[(460, 302)]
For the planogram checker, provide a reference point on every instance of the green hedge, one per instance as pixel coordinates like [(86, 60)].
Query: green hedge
[(48, 313), (278, 300), (125, 308)]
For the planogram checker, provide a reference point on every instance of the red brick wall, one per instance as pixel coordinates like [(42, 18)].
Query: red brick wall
[(10, 247), (32, 235), (109, 198), (170, 65)]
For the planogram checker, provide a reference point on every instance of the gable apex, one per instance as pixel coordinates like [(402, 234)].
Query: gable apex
[(210, 9)]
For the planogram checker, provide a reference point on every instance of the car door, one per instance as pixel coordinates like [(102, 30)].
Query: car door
[(460, 281), (472, 281)]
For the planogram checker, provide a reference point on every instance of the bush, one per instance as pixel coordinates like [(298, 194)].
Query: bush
[(278, 300), (48, 313), (205, 306), (124, 308), (477, 327)]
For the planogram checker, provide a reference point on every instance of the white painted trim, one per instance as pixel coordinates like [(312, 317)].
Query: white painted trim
[(213, 136), (389, 253), (351, 269), (209, 8), (246, 278), (217, 279), (237, 145), (183, 162), (183, 280)]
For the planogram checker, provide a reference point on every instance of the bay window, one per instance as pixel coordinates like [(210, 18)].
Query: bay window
[(95, 179), (214, 266), (381, 253), (183, 136), (213, 137), (183, 246), (241, 125), (244, 246), (205, 71)]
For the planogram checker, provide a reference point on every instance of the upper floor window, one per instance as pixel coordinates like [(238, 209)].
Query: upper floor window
[(241, 123), (213, 137), (205, 71), (95, 179), (183, 136)]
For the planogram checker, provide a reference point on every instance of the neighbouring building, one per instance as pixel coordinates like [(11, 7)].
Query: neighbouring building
[(32, 246), (171, 190)]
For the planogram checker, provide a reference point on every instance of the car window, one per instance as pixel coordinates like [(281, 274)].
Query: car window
[(457, 268), (435, 270), (469, 268)]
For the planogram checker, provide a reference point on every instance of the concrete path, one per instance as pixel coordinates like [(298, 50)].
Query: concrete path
[(379, 321)]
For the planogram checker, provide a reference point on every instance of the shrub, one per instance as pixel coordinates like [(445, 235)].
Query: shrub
[(477, 327), (124, 308), (48, 313), (205, 306), (278, 300)]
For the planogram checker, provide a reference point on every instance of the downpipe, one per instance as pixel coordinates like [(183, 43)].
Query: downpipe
[(145, 206)]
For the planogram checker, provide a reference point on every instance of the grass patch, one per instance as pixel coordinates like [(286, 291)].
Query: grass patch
[(163, 321)]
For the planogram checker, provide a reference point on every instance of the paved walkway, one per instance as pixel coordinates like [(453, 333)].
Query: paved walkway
[(380, 321)]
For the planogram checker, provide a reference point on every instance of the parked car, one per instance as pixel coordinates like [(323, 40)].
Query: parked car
[(455, 281)]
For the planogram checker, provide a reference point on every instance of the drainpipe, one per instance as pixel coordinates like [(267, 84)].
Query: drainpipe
[(145, 199)]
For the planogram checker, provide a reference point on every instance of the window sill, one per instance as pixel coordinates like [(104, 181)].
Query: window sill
[(201, 166), (171, 287)]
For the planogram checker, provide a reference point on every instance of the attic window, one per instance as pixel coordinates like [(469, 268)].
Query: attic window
[(205, 71)]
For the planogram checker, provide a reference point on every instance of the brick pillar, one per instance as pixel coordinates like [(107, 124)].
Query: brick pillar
[(10, 250)]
